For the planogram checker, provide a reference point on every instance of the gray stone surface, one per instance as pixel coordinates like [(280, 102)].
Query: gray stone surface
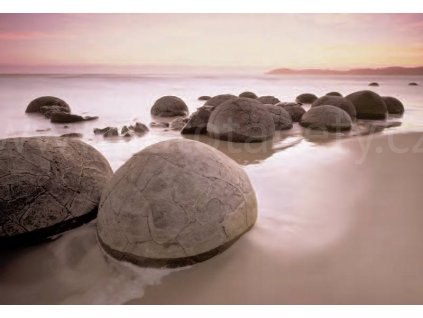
[(169, 106), (393, 105), (139, 128), (326, 117), (35, 105), (204, 97), (66, 118), (178, 123), (281, 118), (111, 132), (48, 185), (336, 101), (368, 105), (241, 120), (197, 123), (268, 100), (219, 99), (294, 109), (175, 203), (248, 94), (306, 98)]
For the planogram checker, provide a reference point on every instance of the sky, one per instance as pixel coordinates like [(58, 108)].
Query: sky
[(243, 41)]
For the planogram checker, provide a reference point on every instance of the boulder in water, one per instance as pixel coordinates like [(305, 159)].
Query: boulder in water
[(393, 105), (368, 105), (35, 105), (169, 106), (219, 99), (281, 118), (326, 117), (336, 101), (306, 98)]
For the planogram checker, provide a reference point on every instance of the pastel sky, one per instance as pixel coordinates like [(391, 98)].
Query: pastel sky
[(336, 41)]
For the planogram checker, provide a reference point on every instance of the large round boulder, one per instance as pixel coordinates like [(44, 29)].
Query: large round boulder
[(272, 100), (241, 120), (169, 106), (306, 98), (281, 118), (326, 117), (175, 203), (36, 105), (248, 94), (336, 101), (219, 99), (393, 105), (48, 185), (368, 105), (294, 110)]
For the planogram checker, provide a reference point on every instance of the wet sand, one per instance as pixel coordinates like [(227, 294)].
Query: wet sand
[(338, 224)]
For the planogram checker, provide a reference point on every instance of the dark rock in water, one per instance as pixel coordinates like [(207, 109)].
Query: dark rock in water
[(178, 123), (128, 134), (159, 125), (295, 111), (101, 131), (169, 106), (69, 118), (241, 120), (336, 101), (111, 132), (197, 123), (281, 118), (219, 99), (272, 100), (36, 104), (306, 98), (413, 84), (334, 94), (49, 185), (72, 135), (198, 203), (326, 117), (47, 111), (248, 95), (368, 105), (204, 97), (393, 105), (43, 130), (374, 84), (65, 126), (124, 130), (140, 128)]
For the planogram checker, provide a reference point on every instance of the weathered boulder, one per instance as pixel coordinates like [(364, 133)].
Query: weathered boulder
[(155, 124), (101, 131), (175, 203), (294, 109), (72, 135), (248, 95), (35, 105), (336, 101), (368, 105), (197, 123), (374, 84), (241, 120), (334, 94), (281, 118), (111, 132), (326, 117), (49, 185), (219, 99), (272, 100), (306, 98), (169, 106), (124, 130), (393, 105), (65, 118), (139, 128), (178, 123), (48, 110), (204, 97), (413, 84)]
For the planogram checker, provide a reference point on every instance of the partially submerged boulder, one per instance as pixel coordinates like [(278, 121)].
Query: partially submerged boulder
[(248, 94), (393, 105), (49, 185), (139, 128), (334, 94), (374, 84), (272, 100), (241, 120), (35, 105), (204, 97), (175, 203), (65, 118), (368, 105), (72, 135), (336, 101), (281, 118), (294, 109), (178, 123), (326, 117), (169, 106), (155, 124), (197, 123), (413, 84), (306, 98), (219, 99)]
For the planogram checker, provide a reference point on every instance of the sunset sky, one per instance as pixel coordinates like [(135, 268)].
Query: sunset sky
[(263, 41)]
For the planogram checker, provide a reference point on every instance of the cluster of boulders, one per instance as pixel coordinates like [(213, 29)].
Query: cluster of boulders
[(55, 109), (138, 129)]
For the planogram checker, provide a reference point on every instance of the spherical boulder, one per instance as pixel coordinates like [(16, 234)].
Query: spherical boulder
[(49, 185), (175, 203), (219, 99), (336, 101), (334, 94), (326, 117), (295, 111), (393, 105), (169, 106), (368, 105), (306, 98), (281, 118), (248, 95), (272, 100), (241, 120), (36, 105)]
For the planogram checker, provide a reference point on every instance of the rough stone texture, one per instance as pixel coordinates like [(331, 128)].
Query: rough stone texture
[(139, 128), (101, 131), (281, 118), (336, 101), (197, 123), (111, 132), (374, 84), (204, 97), (154, 124), (248, 95), (241, 120), (334, 94), (178, 123), (48, 185), (272, 100), (169, 106), (368, 105), (413, 84), (66, 118), (175, 203), (36, 104), (124, 130), (219, 99), (306, 98), (72, 135), (393, 105), (296, 111), (47, 111), (326, 117)]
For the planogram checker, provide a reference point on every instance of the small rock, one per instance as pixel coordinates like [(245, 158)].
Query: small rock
[(42, 130), (204, 97), (326, 117), (248, 95), (413, 84), (393, 105), (124, 130), (159, 125), (178, 123), (272, 100), (112, 132), (306, 98), (374, 84), (72, 135), (169, 106)]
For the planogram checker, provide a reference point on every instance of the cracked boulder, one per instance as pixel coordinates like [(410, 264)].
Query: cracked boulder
[(197, 122), (241, 120), (393, 105), (169, 106), (48, 185), (272, 100), (175, 203), (44, 103)]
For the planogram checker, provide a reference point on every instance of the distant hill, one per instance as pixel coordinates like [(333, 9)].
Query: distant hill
[(394, 70)]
